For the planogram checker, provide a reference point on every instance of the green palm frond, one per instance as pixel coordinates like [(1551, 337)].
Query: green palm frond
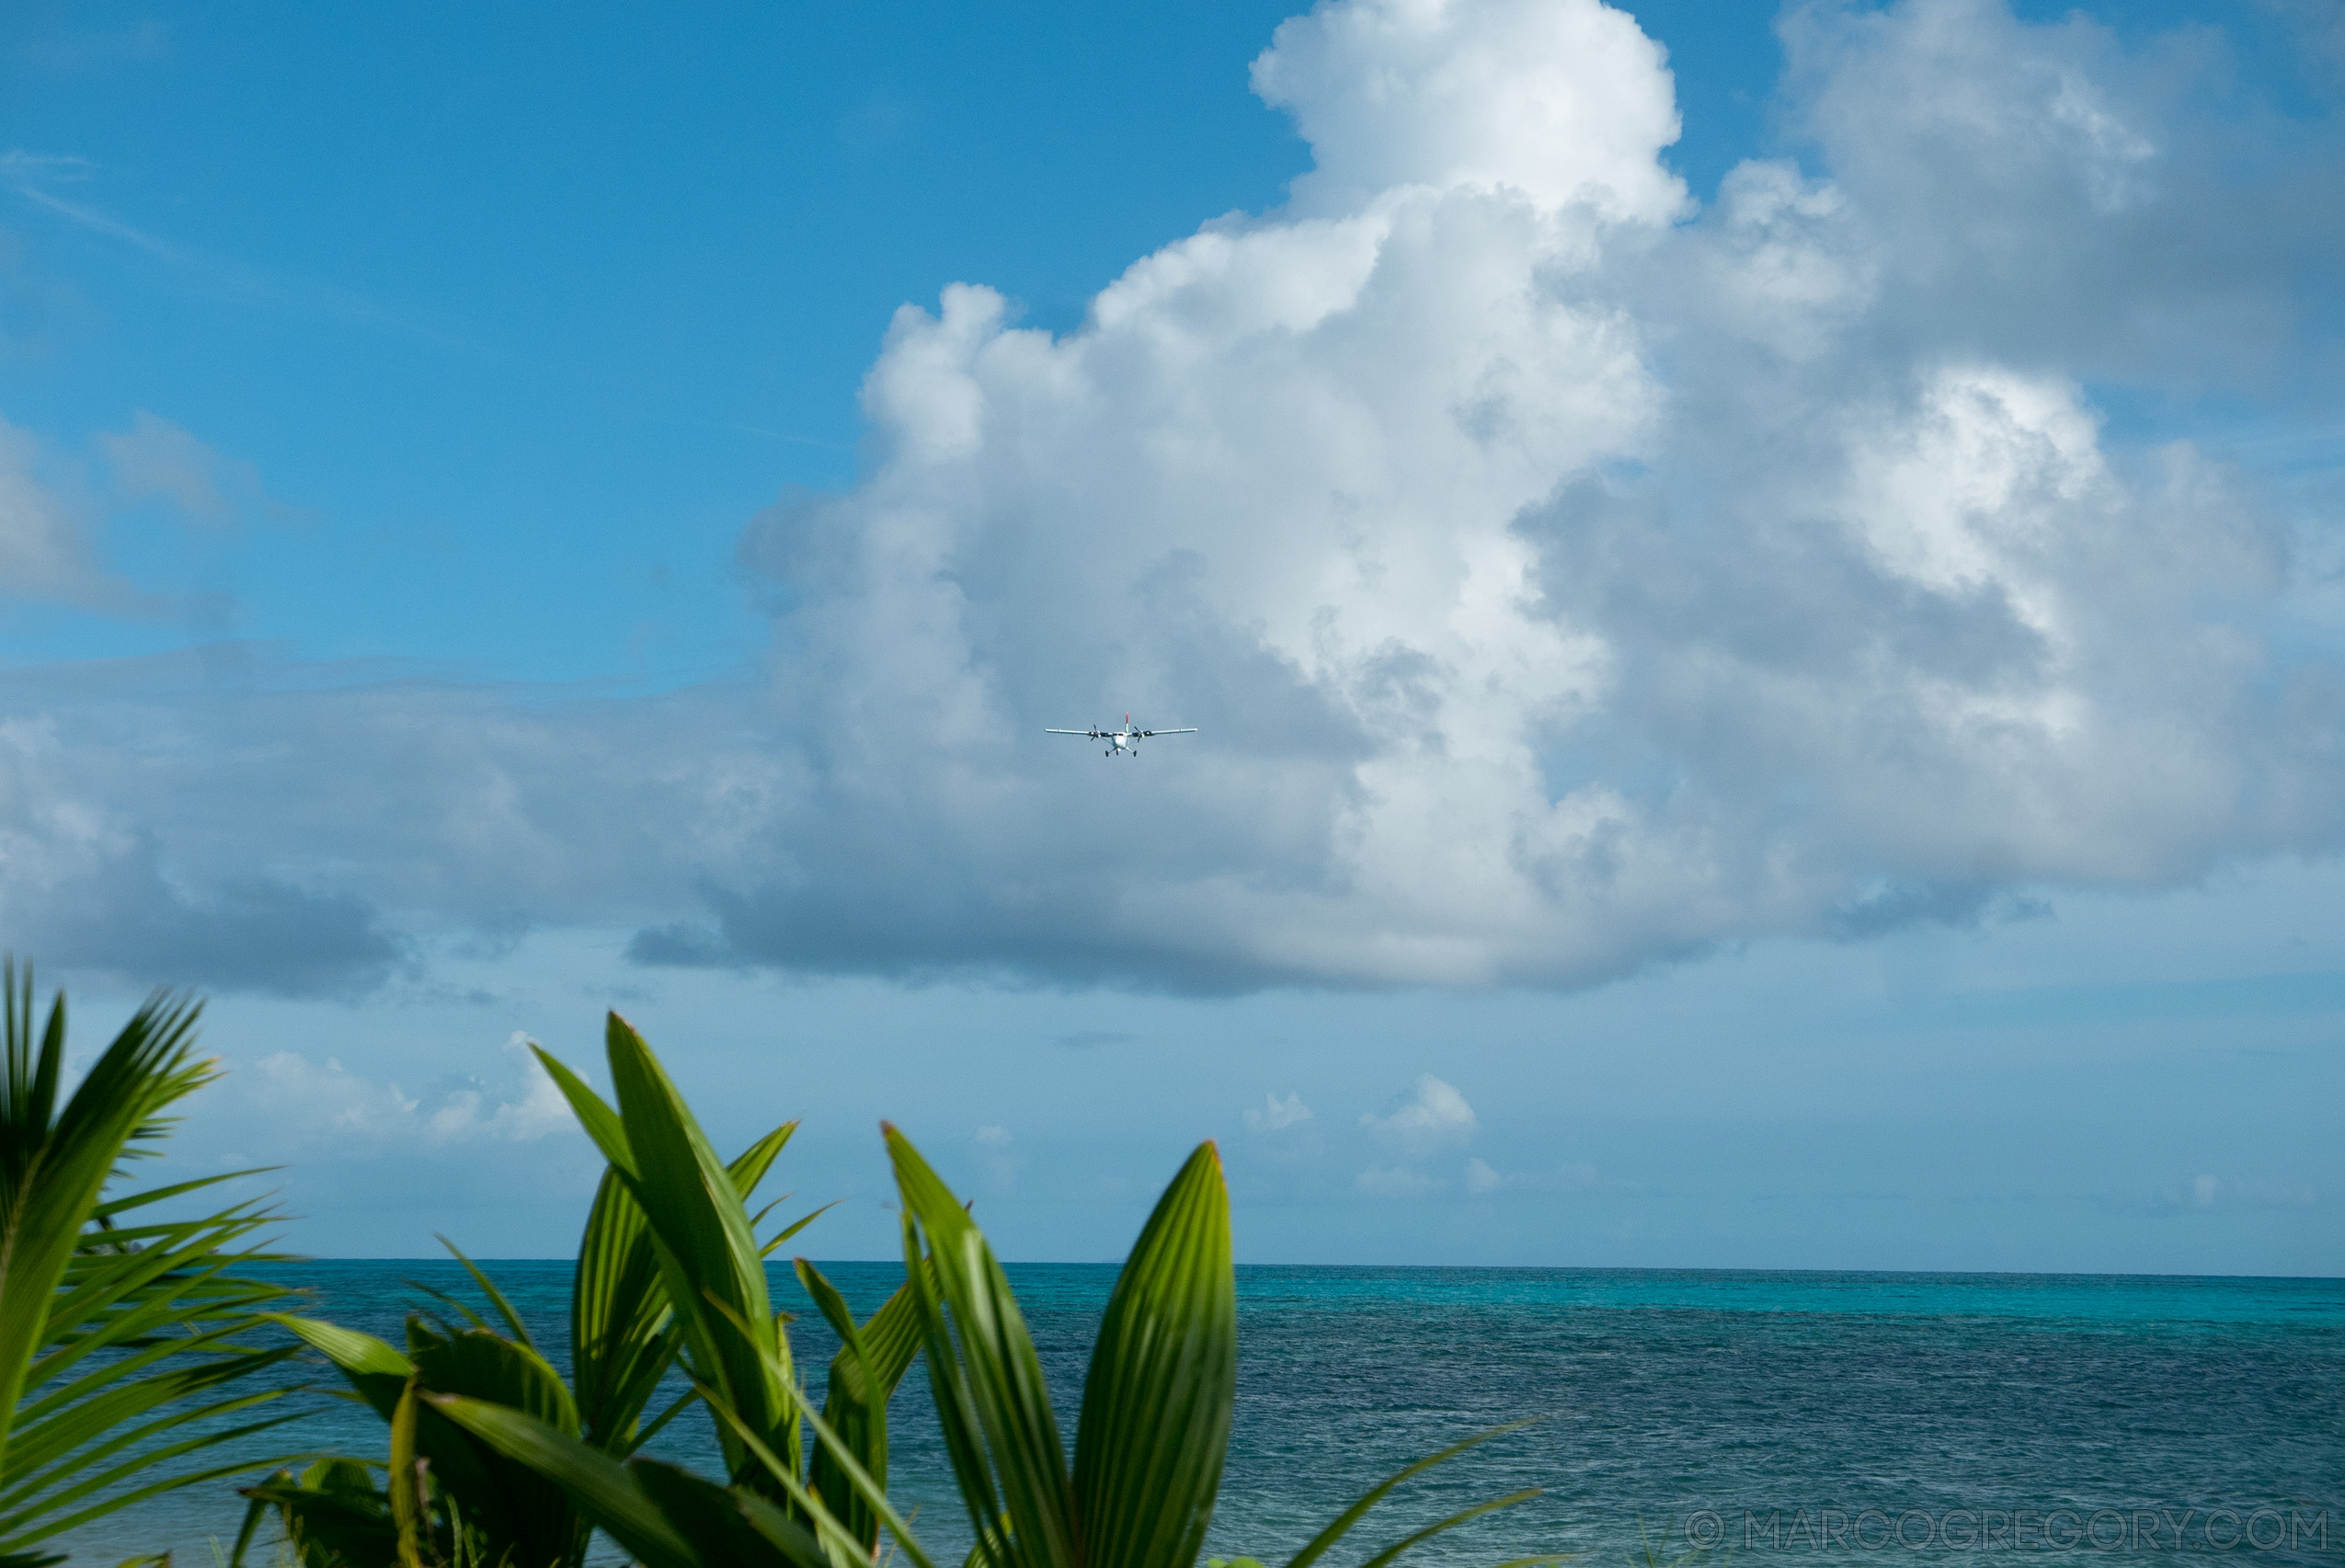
[(671, 1226), (990, 1395), (1341, 1526), (125, 1347), (873, 1358), (479, 1502), (1156, 1404), (624, 1337), (710, 1264), (669, 1265), (1164, 1382)]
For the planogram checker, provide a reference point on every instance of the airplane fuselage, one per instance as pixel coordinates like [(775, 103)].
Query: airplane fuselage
[(1123, 742)]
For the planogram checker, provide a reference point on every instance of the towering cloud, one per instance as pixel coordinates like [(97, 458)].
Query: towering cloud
[(1563, 577), (1564, 573)]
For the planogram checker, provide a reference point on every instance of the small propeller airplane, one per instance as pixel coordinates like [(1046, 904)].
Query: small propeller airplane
[(1125, 741)]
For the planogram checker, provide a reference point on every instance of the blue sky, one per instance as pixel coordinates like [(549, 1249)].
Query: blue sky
[(1761, 591)]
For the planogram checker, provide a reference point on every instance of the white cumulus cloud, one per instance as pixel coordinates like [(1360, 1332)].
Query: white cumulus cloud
[(1277, 1114), (329, 1104), (1433, 1115), (1564, 575), (1558, 585), (1563, 102)]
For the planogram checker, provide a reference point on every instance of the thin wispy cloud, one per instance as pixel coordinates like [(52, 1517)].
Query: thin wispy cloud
[(31, 175), (142, 40), (155, 458)]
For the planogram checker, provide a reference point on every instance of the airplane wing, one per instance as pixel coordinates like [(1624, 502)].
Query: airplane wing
[(1071, 732), (1169, 732)]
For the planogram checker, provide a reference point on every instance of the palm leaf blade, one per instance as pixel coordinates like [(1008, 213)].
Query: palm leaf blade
[(1164, 1382), (602, 1488), (1343, 1523), (708, 1256), (117, 1342), (1001, 1379)]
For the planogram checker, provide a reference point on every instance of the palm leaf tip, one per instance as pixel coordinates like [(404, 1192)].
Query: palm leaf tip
[(987, 1384), (712, 1269), (1343, 1523), (1163, 1381)]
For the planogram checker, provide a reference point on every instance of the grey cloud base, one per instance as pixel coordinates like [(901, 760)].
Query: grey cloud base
[(1565, 578)]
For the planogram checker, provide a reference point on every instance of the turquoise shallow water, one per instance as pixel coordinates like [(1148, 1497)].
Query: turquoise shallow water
[(1806, 1417)]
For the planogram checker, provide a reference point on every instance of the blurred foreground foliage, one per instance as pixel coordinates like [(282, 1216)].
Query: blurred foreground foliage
[(113, 1337), (128, 1343)]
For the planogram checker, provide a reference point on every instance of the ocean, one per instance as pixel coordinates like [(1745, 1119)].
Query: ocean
[(1804, 1417)]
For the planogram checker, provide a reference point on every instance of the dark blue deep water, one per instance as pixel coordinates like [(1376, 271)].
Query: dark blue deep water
[(1801, 1417)]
